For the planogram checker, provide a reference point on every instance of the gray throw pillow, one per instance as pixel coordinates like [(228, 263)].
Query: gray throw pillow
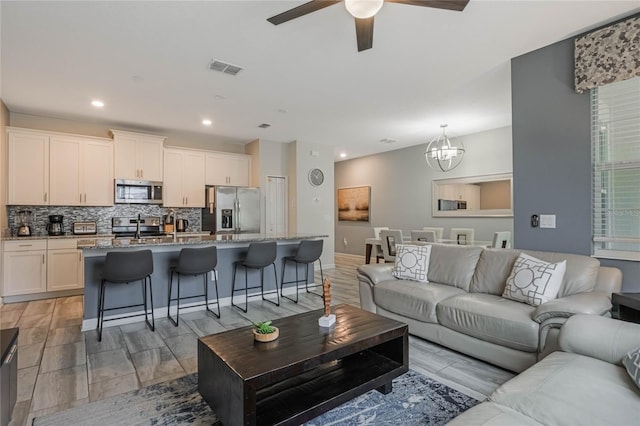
[(631, 362)]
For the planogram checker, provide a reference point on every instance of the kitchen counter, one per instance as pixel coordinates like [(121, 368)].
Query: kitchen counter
[(54, 237), (165, 250)]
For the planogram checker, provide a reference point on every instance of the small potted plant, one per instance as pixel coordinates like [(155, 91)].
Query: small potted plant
[(265, 332)]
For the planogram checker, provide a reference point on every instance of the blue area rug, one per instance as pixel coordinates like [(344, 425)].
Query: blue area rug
[(415, 400)]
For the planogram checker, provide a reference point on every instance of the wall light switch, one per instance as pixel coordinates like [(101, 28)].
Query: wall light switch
[(547, 221)]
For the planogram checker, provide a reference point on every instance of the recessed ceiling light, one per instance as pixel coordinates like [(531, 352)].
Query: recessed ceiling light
[(343, 155), (207, 122), (98, 104)]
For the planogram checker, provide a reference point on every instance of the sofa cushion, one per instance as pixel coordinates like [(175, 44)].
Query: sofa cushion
[(572, 389), (491, 318), (492, 414), (534, 281), (581, 274), (453, 265), (631, 362), (412, 262), (412, 299), (492, 271)]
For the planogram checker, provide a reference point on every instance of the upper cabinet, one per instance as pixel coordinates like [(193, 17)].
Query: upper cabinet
[(184, 173), (228, 169), (28, 177), (59, 169), (80, 171), (138, 156)]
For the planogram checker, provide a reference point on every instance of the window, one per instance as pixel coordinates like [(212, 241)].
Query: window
[(615, 148)]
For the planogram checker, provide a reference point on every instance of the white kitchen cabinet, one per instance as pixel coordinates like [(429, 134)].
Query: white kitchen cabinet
[(28, 168), (24, 267), (184, 178), (65, 265), (80, 171), (138, 156), (228, 169)]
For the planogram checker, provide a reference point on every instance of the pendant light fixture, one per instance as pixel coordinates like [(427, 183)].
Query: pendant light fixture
[(442, 155)]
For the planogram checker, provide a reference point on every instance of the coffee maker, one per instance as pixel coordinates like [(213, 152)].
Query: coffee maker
[(54, 227), (25, 219)]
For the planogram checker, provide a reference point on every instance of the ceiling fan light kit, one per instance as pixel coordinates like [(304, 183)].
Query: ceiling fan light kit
[(442, 154), (363, 9), (363, 12)]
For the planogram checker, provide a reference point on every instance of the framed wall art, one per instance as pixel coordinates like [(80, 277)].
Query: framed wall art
[(353, 204)]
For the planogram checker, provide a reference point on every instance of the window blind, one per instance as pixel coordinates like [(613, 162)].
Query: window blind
[(615, 143)]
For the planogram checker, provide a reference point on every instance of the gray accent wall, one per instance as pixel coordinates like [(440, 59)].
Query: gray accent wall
[(552, 156), (400, 183)]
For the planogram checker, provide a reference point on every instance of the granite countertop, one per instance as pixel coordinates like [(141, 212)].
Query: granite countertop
[(8, 337), (97, 243), (81, 236)]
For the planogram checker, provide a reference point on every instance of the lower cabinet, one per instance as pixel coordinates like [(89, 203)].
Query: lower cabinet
[(39, 266), (25, 267), (64, 265)]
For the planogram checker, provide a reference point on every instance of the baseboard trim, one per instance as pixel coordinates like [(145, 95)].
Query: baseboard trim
[(40, 296)]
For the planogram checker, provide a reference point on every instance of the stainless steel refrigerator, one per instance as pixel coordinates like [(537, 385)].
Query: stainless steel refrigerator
[(231, 209)]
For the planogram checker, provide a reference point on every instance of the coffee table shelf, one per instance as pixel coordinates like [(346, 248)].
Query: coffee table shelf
[(305, 372), (300, 398)]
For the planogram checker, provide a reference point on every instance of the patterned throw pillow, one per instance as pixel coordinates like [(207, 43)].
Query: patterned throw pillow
[(412, 262), (534, 281), (631, 362)]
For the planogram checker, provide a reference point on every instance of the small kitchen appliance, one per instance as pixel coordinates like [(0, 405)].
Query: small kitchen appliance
[(54, 227), (137, 192), (25, 219), (84, 228), (182, 225)]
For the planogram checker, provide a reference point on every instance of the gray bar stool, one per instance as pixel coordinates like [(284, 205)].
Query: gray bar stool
[(194, 262), (259, 256), (123, 267), (308, 252)]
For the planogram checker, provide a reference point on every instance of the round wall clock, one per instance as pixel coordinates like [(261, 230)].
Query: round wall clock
[(316, 177)]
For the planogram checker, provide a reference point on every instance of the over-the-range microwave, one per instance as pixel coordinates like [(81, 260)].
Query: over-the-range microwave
[(137, 192)]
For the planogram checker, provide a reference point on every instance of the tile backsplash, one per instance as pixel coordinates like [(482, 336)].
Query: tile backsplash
[(102, 216)]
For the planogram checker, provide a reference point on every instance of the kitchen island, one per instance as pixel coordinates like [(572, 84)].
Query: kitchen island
[(231, 247)]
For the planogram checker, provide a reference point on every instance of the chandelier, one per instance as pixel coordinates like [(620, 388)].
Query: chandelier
[(442, 155)]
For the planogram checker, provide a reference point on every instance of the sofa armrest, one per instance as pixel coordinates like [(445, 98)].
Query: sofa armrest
[(376, 273), (368, 277), (592, 302), (609, 280), (603, 338)]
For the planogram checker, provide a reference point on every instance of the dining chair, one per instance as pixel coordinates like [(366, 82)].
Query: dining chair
[(423, 236), (462, 236), (390, 238), (378, 247), (501, 239), (438, 230)]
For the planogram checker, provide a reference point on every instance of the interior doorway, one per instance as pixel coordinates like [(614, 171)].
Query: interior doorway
[(276, 201)]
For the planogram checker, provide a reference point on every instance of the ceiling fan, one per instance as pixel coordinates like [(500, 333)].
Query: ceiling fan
[(363, 12)]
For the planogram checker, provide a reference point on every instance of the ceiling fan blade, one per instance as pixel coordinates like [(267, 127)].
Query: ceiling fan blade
[(301, 10), (364, 33), (457, 5)]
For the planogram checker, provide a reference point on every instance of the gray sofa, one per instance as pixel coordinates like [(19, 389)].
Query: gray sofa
[(583, 384), (462, 305)]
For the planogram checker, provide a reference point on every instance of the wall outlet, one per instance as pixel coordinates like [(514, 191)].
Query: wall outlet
[(547, 221), (344, 241)]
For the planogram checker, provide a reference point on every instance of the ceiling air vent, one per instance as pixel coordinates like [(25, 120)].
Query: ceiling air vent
[(216, 65), (264, 125)]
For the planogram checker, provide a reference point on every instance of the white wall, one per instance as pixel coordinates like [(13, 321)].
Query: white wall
[(311, 207)]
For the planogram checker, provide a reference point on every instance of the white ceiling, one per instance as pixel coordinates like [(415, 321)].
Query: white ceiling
[(148, 62)]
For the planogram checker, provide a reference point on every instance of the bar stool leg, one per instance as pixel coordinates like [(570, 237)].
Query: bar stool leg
[(275, 273), (151, 324), (233, 288), (206, 293), (284, 266), (321, 278), (101, 311), (171, 272)]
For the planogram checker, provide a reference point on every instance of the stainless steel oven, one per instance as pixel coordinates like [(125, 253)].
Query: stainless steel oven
[(137, 192)]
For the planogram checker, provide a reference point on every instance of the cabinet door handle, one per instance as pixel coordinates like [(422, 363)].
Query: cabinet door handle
[(45, 196), (79, 256), (85, 197), (80, 197), (43, 259), (25, 245)]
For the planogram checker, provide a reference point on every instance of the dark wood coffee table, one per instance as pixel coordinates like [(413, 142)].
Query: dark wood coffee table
[(305, 372)]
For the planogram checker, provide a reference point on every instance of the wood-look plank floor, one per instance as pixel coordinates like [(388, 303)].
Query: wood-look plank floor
[(61, 367)]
